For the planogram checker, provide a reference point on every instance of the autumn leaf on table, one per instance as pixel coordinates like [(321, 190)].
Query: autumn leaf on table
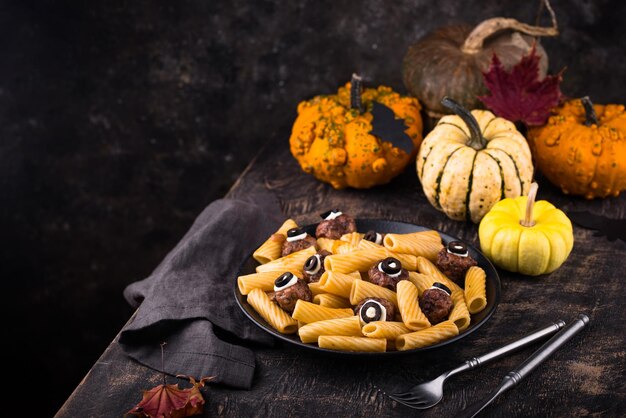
[(519, 95), (170, 401)]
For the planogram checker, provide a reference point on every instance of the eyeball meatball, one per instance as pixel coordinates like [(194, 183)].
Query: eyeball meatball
[(314, 267), (297, 239), (454, 260), (288, 289), (335, 224), (374, 237), (387, 273), (375, 309), (436, 303)]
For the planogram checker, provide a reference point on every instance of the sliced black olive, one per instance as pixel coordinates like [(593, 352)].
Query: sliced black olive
[(294, 232), (443, 287), (312, 264), (372, 311), (284, 280), (391, 265), (457, 248), (328, 213), (373, 236)]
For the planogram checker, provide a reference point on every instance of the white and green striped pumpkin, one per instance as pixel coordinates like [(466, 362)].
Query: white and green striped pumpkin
[(470, 161)]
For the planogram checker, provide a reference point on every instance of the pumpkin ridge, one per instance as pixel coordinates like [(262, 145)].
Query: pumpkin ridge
[(501, 175), (453, 124), (521, 183), (470, 180), (425, 160), (487, 125), (440, 174)]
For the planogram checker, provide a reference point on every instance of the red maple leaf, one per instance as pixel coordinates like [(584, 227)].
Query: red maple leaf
[(170, 401), (519, 95)]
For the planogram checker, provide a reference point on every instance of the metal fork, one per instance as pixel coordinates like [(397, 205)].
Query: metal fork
[(428, 394)]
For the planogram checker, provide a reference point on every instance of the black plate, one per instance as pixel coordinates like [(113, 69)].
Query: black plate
[(493, 290)]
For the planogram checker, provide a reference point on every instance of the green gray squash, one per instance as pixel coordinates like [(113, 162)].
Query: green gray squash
[(472, 160)]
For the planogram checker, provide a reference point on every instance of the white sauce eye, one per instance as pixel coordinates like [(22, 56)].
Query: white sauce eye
[(296, 234), (457, 248), (390, 266), (331, 214), (313, 264), (284, 281), (441, 287), (372, 311), (379, 239)]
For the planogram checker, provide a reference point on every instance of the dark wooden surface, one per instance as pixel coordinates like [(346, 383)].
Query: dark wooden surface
[(585, 378)]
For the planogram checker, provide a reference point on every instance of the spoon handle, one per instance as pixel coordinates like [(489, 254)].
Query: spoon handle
[(525, 341), (520, 372)]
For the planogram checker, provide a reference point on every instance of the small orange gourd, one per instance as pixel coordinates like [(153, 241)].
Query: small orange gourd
[(332, 136), (582, 148)]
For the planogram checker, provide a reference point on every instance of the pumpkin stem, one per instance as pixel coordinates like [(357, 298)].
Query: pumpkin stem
[(355, 93), (530, 203), (477, 140), (590, 113), (474, 42)]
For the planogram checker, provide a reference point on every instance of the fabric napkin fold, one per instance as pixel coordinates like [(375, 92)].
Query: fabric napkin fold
[(190, 295)]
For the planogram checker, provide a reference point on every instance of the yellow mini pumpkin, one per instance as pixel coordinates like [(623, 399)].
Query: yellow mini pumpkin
[(332, 136), (525, 236), (582, 148), (470, 161)]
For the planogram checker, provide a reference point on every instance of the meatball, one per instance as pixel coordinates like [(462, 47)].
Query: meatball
[(389, 315), (314, 267), (454, 261), (297, 239), (334, 225), (288, 289), (387, 273), (436, 303)]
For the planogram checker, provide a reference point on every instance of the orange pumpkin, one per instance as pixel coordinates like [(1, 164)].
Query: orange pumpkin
[(582, 148), (332, 138)]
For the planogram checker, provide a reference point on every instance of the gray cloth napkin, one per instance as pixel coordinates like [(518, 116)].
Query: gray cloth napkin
[(189, 297)]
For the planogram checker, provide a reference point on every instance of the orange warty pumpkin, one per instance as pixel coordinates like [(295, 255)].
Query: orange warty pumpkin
[(332, 138), (582, 148)]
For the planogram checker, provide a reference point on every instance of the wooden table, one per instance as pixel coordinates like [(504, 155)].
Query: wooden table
[(586, 377)]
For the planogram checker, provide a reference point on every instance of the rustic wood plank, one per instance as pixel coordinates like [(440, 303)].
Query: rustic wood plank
[(586, 377)]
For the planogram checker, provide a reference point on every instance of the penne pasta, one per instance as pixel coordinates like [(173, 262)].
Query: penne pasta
[(338, 284), (459, 314), (292, 262), (384, 329), (426, 243), (330, 245), (353, 238), (426, 267), (342, 343), (421, 281), (427, 337), (347, 248), (408, 305), (368, 245), (363, 260), (275, 316), (308, 312), (314, 287), (349, 326), (273, 247), (264, 281), (475, 289), (362, 290), (331, 301)]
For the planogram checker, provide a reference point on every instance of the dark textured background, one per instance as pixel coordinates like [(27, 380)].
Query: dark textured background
[(121, 120)]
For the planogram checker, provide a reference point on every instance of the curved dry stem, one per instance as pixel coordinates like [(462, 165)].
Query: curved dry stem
[(474, 42), (530, 203)]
